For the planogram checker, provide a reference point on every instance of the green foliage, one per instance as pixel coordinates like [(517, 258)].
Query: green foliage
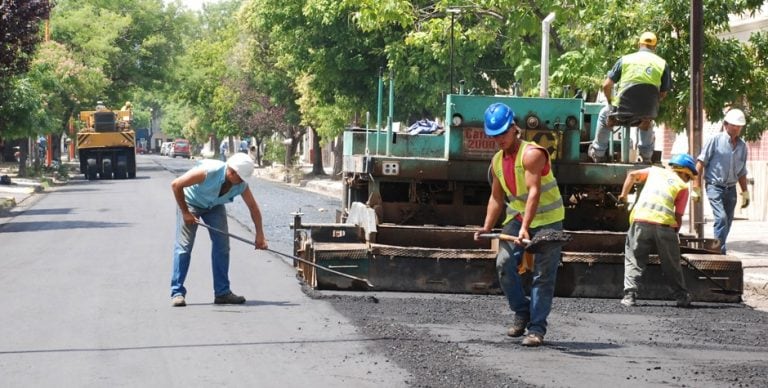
[(23, 111), (258, 67), (274, 151)]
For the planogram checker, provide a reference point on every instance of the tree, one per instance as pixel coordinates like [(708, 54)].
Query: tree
[(19, 36), (587, 37)]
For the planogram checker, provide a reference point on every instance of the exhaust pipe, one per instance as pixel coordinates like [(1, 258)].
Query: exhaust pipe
[(545, 25)]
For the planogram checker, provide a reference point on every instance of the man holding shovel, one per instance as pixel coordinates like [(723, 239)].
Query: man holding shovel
[(522, 174), (201, 194), (654, 221)]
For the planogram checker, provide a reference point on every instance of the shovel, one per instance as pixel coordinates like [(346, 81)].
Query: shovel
[(364, 281), (543, 241), (721, 289)]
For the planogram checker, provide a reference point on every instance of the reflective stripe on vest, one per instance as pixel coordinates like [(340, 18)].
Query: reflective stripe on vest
[(550, 207), (656, 203), (642, 67)]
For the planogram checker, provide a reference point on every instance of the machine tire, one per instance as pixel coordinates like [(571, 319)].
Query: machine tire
[(90, 173), (122, 171), (106, 169)]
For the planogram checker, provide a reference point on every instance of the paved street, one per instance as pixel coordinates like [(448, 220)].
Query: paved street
[(84, 279)]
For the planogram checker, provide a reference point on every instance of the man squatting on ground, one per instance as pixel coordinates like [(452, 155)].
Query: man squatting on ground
[(654, 222), (723, 163), (640, 67), (201, 194), (522, 173)]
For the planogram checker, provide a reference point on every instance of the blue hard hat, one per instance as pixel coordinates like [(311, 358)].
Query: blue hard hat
[(684, 161), (498, 116)]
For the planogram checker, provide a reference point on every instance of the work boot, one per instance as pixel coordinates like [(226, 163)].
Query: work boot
[(684, 301), (518, 327), (592, 153), (629, 299), (229, 298), (178, 301), (533, 340)]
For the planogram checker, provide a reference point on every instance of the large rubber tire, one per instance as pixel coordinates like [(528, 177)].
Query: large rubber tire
[(121, 172), (91, 171), (106, 169)]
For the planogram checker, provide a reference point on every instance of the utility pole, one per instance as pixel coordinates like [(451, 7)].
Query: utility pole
[(453, 12), (696, 107)]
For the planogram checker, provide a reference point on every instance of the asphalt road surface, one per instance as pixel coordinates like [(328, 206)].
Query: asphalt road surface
[(84, 283)]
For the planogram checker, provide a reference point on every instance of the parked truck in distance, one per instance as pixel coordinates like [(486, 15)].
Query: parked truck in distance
[(106, 144)]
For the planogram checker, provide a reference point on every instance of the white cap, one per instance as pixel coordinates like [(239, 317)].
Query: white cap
[(735, 117), (242, 164)]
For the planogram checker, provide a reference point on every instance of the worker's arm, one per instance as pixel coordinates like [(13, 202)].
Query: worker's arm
[(666, 82), (681, 201), (494, 209), (608, 89), (253, 208), (191, 177), (534, 161), (633, 177), (700, 166)]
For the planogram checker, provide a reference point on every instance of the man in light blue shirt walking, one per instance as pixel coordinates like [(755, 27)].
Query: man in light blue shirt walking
[(723, 163)]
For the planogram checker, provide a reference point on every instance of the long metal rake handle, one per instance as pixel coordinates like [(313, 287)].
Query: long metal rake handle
[(287, 255), (505, 237)]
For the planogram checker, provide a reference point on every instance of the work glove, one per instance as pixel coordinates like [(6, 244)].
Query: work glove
[(696, 194), (744, 199)]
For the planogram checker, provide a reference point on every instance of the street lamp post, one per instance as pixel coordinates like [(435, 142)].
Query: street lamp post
[(453, 12), (151, 129)]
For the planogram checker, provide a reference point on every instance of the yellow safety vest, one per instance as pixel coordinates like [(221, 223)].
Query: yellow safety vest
[(656, 203), (642, 67), (550, 202)]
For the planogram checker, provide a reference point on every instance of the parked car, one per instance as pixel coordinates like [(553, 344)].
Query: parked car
[(165, 148), (180, 148)]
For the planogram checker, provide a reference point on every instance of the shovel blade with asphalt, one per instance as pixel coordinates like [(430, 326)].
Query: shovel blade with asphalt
[(543, 241)]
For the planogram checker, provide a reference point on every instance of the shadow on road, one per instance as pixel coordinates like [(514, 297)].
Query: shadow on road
[(35, 226)]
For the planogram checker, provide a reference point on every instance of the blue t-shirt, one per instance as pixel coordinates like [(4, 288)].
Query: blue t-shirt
[(205, 194), (724, 164)]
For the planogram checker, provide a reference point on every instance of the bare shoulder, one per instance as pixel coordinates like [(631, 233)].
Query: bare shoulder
[(535, 158)]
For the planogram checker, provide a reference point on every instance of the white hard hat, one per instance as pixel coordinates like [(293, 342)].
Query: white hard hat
[(242, 164), (735, 117)]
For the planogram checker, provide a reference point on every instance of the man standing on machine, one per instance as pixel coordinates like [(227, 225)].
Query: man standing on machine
[(642, 67)]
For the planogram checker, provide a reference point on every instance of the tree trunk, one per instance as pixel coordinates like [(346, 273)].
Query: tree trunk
[(317, 154), (338, 157), (258, 151)]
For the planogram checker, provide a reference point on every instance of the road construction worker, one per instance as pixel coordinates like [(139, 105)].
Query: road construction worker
[(598, 149), (654, 222), (723, 163), (641, 67), (201, 194), (525, 189)]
